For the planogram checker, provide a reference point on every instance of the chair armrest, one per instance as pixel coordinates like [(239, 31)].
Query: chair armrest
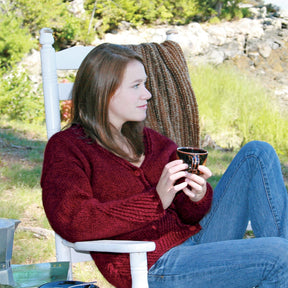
[(137, 253), (112, 246)]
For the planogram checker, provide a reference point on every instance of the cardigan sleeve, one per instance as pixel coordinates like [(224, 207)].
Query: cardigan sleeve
[(192, 212), (72, 208), (188, 211)]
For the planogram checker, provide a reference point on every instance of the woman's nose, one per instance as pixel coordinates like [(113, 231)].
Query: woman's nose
[(146, 94)]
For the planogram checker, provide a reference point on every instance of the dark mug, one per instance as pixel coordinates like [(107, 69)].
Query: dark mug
[(193, 157), (69, 284)]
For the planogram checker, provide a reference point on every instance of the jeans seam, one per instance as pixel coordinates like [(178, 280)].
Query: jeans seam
[(265, 183), (268, 192)]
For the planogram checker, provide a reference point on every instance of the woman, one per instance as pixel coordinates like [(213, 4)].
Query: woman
[(109, 177)]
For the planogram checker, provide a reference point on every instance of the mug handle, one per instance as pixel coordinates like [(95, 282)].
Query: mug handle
[(193, 163)]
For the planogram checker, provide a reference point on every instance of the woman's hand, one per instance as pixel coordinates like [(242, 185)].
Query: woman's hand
[(196, 184), (166, 187)]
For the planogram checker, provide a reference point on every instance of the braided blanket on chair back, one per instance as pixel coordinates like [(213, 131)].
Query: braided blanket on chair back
[(172, 110)]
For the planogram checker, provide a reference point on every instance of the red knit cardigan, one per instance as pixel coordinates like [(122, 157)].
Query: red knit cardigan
[(89, 193)]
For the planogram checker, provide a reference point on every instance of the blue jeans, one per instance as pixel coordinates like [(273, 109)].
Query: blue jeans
[(253, 189)]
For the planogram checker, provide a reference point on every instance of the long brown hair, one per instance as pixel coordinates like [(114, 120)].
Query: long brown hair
[(97, 79)]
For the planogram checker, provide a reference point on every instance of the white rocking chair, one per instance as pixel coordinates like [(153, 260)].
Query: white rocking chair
[(54, 92)]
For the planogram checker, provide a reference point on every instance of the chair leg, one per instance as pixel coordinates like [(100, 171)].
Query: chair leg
[(138, 262), (63, 253)]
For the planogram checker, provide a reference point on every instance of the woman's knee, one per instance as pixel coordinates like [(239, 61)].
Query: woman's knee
[(258, 145), (260, 150)]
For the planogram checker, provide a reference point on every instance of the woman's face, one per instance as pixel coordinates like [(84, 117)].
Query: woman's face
[(129, 103)]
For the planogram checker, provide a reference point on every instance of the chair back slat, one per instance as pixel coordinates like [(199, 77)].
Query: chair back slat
[(65, 91), (71, 58)]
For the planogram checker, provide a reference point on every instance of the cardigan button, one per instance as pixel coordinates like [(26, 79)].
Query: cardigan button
[(137, 173)]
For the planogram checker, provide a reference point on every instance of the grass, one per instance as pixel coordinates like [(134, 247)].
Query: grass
[(235, 108), (21, 155)]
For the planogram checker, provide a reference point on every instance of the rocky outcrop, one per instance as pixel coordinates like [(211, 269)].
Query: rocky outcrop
[(258, 45)]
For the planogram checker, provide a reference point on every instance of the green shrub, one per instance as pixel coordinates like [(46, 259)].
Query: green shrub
[(109, 14), (214, 20), (229, 9), (55, 14), (37, 14), (19, 99), (13, 46), (246, 13), (184, 11)]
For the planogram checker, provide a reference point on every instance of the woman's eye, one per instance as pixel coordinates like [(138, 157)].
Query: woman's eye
[(136, 85)]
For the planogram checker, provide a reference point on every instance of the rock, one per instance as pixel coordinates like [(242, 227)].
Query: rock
[(194, 40), (38, 232), (232, 49), (218, 35), (264, 50), (77, 7), (252, 28), (215, 56)]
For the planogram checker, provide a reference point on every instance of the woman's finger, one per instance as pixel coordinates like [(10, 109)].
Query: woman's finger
[(175, 166), (180, 186), (198, 187), (206, 171)]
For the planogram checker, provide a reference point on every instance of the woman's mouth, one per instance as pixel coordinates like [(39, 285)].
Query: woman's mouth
[(142, 106)]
